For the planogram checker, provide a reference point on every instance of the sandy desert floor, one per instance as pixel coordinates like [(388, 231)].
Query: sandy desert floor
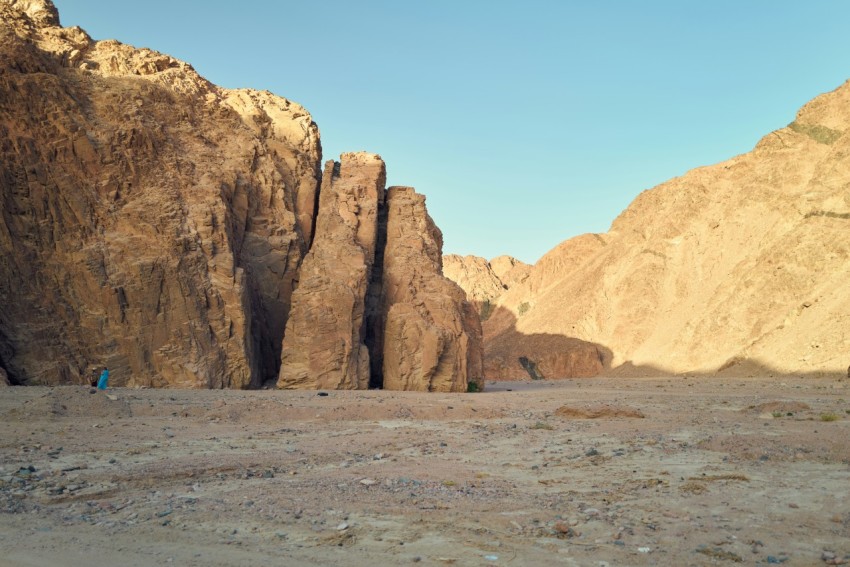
[(717, 471)]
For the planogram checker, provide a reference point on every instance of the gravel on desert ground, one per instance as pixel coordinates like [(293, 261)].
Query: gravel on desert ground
[(602, 471)]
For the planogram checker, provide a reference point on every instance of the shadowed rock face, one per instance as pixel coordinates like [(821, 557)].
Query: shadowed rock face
[(325, 343), (156, 224)]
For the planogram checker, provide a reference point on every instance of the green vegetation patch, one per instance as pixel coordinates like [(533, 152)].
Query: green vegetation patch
[(486, 310), (523, 308), (828, 214), (818, 133)]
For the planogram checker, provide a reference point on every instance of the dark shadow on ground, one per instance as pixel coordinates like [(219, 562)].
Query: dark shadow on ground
[(512, 355)]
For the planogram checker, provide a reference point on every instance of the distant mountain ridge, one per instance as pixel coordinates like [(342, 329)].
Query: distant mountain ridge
[(741, 267)]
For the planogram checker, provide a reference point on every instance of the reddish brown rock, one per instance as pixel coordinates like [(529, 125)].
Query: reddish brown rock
[(431, 333), (156, 224), (324, 345)]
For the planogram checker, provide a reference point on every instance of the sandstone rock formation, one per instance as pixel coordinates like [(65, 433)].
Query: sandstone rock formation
[(431, 334), (372, 306), (484, 282), (156, 224), (740, 267), (325, 345), (152, 222)]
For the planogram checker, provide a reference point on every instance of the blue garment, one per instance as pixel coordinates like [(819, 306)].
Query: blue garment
[(104, 377)]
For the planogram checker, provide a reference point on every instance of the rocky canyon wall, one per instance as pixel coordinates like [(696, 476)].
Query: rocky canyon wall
[(157, 224), (432, 336)]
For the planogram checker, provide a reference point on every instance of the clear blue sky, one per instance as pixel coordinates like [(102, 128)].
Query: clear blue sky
[(524, 122)]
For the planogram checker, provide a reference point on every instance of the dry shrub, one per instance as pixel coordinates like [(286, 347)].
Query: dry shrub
[(597, 412)]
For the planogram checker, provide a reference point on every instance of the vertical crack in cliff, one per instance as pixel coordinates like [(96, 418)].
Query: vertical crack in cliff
[(373, 320)]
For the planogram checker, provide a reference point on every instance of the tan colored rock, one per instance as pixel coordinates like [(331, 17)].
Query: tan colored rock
[(484, 282), (41, 12), (324, 346), (4, 378), (740, 267), (509, 270), (430, 331), (475, 276), (151, 221)]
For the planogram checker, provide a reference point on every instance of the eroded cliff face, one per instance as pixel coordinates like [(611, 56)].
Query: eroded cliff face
[(156, 224), (151, 221), (372, 307), (431, 333), (325, 335), (484, 282), (739, 268)]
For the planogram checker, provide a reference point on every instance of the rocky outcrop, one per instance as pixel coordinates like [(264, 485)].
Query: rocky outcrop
[(372, 306), (509, 270), (484, 282), (156, 224), (511, 355), (475, 277), (325, 343), (431, 334), (151, 221), (739, 268)]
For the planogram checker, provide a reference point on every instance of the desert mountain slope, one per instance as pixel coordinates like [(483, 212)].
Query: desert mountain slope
[(484, 282), (736, 266)]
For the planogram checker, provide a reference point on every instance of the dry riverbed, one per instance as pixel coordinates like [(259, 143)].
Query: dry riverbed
[(605, 471)]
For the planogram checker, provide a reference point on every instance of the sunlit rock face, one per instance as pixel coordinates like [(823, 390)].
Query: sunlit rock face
[(325, 341), (151, 221), (738, 268), (156, 224), (431, 333)]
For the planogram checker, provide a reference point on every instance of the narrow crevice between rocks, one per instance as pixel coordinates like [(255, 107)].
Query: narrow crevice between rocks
[(373, 321)]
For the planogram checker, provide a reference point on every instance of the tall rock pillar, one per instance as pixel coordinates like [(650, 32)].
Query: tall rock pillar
[(323, 346), (432, 335)]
